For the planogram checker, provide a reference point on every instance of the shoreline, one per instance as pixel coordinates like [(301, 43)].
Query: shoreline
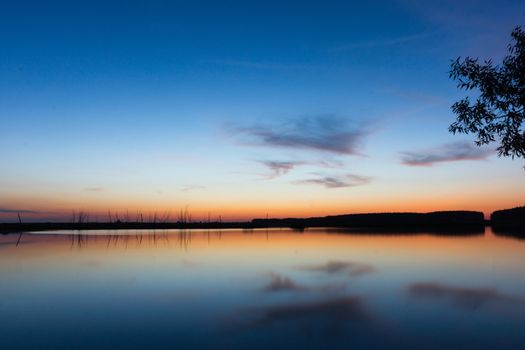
[(445, 221)]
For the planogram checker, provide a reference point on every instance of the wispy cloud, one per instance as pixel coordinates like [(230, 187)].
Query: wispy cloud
[(325, 133), (387, 42), (329, 163), (451, 152), (279, 168), (419, 97), (473, 28), (93, 189), (341, 267), (464, 297), (257, 64), (347, 180), (18, 211), (192, 188)]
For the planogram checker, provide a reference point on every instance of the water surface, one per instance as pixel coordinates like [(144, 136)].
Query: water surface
[(260, 289)]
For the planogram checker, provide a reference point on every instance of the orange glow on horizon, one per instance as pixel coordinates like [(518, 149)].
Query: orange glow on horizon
[(246, 211)]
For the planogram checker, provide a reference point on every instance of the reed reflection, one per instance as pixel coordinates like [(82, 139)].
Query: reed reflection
[(137, 239)]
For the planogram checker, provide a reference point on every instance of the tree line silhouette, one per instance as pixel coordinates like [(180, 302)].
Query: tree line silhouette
[(509, 218)]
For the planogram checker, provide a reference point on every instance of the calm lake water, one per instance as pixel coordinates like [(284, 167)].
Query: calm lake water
[(259, 289)]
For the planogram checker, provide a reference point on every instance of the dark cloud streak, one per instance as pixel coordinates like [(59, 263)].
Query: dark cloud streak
[(279, 168), (348, 180), (452, 152), (325, 133)]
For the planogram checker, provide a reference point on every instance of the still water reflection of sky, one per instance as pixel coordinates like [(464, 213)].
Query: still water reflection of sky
[(318, 289)]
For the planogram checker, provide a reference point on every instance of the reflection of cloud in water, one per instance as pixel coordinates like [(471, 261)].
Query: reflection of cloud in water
[(337, 267), (463, 297), (326, 323), (346, 309), (333, 315), (279, 283)]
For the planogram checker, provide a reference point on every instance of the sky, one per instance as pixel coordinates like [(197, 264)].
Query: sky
[(243, 109)]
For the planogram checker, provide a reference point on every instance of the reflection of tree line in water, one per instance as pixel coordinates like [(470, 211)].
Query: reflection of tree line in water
[(183, 238)]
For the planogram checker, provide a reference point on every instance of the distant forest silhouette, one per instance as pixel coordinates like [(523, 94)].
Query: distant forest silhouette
[(509, 222)]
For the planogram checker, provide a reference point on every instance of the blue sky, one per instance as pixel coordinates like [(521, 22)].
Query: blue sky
[(243, 108)]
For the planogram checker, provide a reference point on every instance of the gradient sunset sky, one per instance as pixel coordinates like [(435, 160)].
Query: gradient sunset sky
[(239, 109)]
